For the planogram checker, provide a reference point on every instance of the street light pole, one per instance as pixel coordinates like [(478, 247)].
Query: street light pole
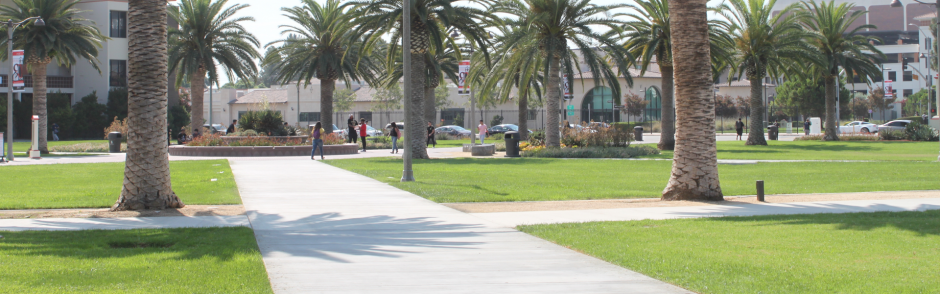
[(407, 174), (11, 26)]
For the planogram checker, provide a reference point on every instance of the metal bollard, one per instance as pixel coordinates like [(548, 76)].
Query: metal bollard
[(760, 191)]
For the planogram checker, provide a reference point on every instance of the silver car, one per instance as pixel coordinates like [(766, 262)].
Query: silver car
[(894, 125)]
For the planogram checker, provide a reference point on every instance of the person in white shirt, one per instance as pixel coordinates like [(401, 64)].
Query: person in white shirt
[(482, 129)]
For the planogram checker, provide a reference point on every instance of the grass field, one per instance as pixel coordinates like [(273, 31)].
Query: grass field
[(816, 150), (90, 185), (536, 179), (24, 146), (884, 252), (208, 260)]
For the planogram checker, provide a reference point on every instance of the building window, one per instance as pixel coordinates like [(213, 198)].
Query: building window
[(366, 115), (893, 76), (908, 76), (309, 116), (118, 24), (118, 73), (908, 92)]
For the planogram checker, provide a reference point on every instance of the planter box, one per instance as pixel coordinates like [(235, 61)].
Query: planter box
[(259, 151), (483, 150)]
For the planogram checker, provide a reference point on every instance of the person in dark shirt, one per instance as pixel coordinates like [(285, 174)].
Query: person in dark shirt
[(231, 127), (739, 128), (351, 132), (181, 138), (431, 135)]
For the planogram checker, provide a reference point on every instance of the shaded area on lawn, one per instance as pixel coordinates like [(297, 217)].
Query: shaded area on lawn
[(881, 252), (204, 260)]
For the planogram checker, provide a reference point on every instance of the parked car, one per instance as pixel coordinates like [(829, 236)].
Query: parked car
[(453, 130), (373, 132), (503, 128), (338, 131), (895, 125), (855, 127), (401, 125), (215, 129)]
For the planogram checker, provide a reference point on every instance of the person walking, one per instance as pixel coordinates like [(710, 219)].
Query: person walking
[(394, 133), (363, 133), (317, 142), (482, 129), (231, 127), (351, 132), (431, 135), (806, 125), (739, 128), (55, 132)]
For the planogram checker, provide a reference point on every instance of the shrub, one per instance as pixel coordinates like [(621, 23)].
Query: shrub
[(117, 126), (591, 152), (597, 137), (243, 133), (845, 137), (88, 117), (117, 103), (916, 131), (891, 135), (216, 140), (268, 122), (331, 139), (85, 147), (178, 118)]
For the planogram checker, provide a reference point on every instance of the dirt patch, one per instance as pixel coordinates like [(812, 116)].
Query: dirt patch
[(655, 202), (189, 210)]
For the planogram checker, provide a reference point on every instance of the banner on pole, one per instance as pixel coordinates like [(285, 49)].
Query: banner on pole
[(19, 84), (566, 86), (889, 92), (462, 71)]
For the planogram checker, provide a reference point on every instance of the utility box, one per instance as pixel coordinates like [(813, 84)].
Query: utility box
[(34, 148), (815, 127)]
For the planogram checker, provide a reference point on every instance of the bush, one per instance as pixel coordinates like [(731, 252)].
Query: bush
[(268, 122), (178, 118), (85, 147), (847, 137), (916, 131), (119, 126), (497, 120), (88, 117), (332, 139), (243, 133), (216, 140), (591, 152), (597, 137), (117, 103), (891, 135)]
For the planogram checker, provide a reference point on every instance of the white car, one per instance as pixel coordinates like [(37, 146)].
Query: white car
[(858, 127)]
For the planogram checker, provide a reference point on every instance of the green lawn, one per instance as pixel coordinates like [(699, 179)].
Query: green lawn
[(817, 150), (884, 252), (207, 260), (99, 184), (537, 179), (24, 146)]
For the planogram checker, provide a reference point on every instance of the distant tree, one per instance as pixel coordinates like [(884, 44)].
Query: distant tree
[(724, 107), (117, 103), (743, 106), (388, 99), (859, 106), (343, 99), (878, 101), (441, 98), (633, 105)]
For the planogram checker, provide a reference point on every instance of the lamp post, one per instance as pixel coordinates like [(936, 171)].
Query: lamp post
[(11, 26), (928, 79), (897, 3), (407, 174)]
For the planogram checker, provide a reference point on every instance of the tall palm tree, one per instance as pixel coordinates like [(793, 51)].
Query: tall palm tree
[(65, 36), (839, 46), (514, 68), (556, 24), (431, 21), (321, 44), (695, 161), (647, 38), (765, 44), (208, 33), (147, 168), (441, 62)]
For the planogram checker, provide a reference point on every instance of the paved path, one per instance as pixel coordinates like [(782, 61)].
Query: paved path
[(512, 219), (326, 230), (124, 223)]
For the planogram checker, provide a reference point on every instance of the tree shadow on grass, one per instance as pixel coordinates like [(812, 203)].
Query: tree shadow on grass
[(925, 220)]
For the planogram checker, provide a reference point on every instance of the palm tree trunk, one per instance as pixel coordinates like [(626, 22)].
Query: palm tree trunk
[(147, 167), (327, 87), (755, 135), (429, 104), (552, 138), (523, 115), (831, 133), (198, 84), (417, 137), (667, 140), (38, 69), (695, 160)]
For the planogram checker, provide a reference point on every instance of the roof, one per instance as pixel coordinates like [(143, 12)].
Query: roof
[(741, 83), (651, 72), (365, 94), (927, 16), (259, 95)]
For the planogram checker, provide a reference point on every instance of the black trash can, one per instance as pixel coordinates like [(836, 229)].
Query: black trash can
[(638, 133), (772, 132), (512, 144), (114, 142)]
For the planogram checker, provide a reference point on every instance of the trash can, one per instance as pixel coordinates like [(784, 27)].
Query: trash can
[(114, 142), (512, 144), (638, 133), (772, 132)]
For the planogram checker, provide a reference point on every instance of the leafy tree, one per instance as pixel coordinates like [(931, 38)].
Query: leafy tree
[(117, 103), (65, 37), (441, 98), (90, 117), (209, 33), (516, 68), (388, 99), (859, 107), (724, 107), (633, 105), (879, 102), (342, 101), (916, 104)]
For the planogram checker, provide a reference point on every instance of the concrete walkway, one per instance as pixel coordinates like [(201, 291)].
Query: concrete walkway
[(124, 223), (326, 230), (512, 219)]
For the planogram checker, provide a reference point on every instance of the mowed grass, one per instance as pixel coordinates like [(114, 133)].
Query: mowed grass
[(883, 252), (818, 150), (24, 146), (204, 260), (540, 179), (91, 185)]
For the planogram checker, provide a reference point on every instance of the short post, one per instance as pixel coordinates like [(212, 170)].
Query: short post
[(760, 191)]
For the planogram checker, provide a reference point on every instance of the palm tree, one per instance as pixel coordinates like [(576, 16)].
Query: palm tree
[(695, 161), (556, 23), (765, 44), (208, 33), (431, 21), (66, 34), (515, 68), (839, 46), (147, 168), (647, 38), (441, 62), (321, 44)]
